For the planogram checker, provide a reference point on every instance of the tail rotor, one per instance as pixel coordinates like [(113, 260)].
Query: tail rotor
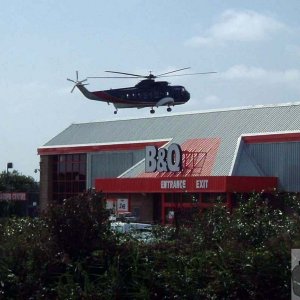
[(77, 82)]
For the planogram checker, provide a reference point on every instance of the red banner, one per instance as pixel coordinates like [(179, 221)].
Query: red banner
[(12, 196)]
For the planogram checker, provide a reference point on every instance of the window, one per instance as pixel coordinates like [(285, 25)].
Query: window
[(179, 198), (213, 197), (145, 96), (69, 175)]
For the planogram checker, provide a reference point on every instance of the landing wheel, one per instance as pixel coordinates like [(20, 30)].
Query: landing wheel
[(152, 111), (169, 109), (115, 112)]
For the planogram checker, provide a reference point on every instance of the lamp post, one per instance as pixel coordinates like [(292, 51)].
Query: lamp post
[(9, 166)]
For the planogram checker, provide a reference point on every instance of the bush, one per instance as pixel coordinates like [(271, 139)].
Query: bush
[(26, 249), (38, 257), (79, 225), (70, 253)]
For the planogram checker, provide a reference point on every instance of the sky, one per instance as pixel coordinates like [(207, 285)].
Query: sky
[(254, 46)]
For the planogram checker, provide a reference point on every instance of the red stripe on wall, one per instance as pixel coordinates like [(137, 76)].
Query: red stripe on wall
[(272, 138), (97, 148)]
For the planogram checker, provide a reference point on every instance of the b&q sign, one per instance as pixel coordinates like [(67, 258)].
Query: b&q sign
[(163, 160)]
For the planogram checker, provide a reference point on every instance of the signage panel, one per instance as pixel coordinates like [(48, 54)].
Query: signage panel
[(211, 184), (13, 196), (117, 205), (122, 205)]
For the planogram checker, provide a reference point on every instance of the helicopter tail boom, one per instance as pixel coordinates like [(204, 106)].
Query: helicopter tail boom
[(80, 85), (87, 93)]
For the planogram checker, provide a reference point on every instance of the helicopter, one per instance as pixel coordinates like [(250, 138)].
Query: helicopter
[(146, 93)]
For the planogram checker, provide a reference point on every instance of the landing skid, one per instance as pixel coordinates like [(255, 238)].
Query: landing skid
[(152, 111)]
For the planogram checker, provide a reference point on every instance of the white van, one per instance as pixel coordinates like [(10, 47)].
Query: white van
[(124, 227)]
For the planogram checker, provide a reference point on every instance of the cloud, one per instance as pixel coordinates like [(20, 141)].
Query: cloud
[(242, 26), (294, 50), (244, 72), (290, 77)]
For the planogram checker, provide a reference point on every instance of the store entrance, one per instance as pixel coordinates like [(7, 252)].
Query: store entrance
[(157, 208)]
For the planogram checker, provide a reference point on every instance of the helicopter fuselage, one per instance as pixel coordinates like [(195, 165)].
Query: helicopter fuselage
[(147, 93)]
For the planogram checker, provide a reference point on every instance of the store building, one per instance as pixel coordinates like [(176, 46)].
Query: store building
[(154, 166)]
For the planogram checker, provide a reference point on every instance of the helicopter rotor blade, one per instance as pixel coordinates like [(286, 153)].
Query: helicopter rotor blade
[(173, 71), (118, 77), (150, 76), (78, 81), (129, 74), (199, 73), (73, 88)]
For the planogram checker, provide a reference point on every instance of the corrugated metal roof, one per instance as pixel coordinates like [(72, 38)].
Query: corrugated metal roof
[(227, 124)]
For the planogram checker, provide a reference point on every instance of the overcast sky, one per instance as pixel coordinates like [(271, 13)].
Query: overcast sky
[(253, 45)]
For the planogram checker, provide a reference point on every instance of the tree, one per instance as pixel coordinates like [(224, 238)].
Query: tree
[(12, 182), (16, 182)]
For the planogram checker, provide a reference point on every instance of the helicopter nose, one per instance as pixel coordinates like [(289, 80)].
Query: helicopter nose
[(187, 96)]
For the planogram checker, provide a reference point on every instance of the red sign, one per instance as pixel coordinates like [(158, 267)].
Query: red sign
[(13, 196), (212, 184)]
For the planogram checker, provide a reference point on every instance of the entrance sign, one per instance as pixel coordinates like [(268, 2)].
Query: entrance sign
[(163, 160), (173, 184)]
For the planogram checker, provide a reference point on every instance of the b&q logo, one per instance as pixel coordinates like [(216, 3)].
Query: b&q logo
[(163, 160)]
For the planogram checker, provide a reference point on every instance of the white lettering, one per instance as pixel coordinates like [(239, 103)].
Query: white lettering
[(162, 164), (202, 184), (150, 159), (173, 184), (163, 160), (174, 158), (13, 196)]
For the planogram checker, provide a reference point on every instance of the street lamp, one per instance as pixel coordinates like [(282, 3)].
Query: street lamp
[(9, 166)]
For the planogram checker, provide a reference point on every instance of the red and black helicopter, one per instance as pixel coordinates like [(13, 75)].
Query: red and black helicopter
[(146, 93)]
